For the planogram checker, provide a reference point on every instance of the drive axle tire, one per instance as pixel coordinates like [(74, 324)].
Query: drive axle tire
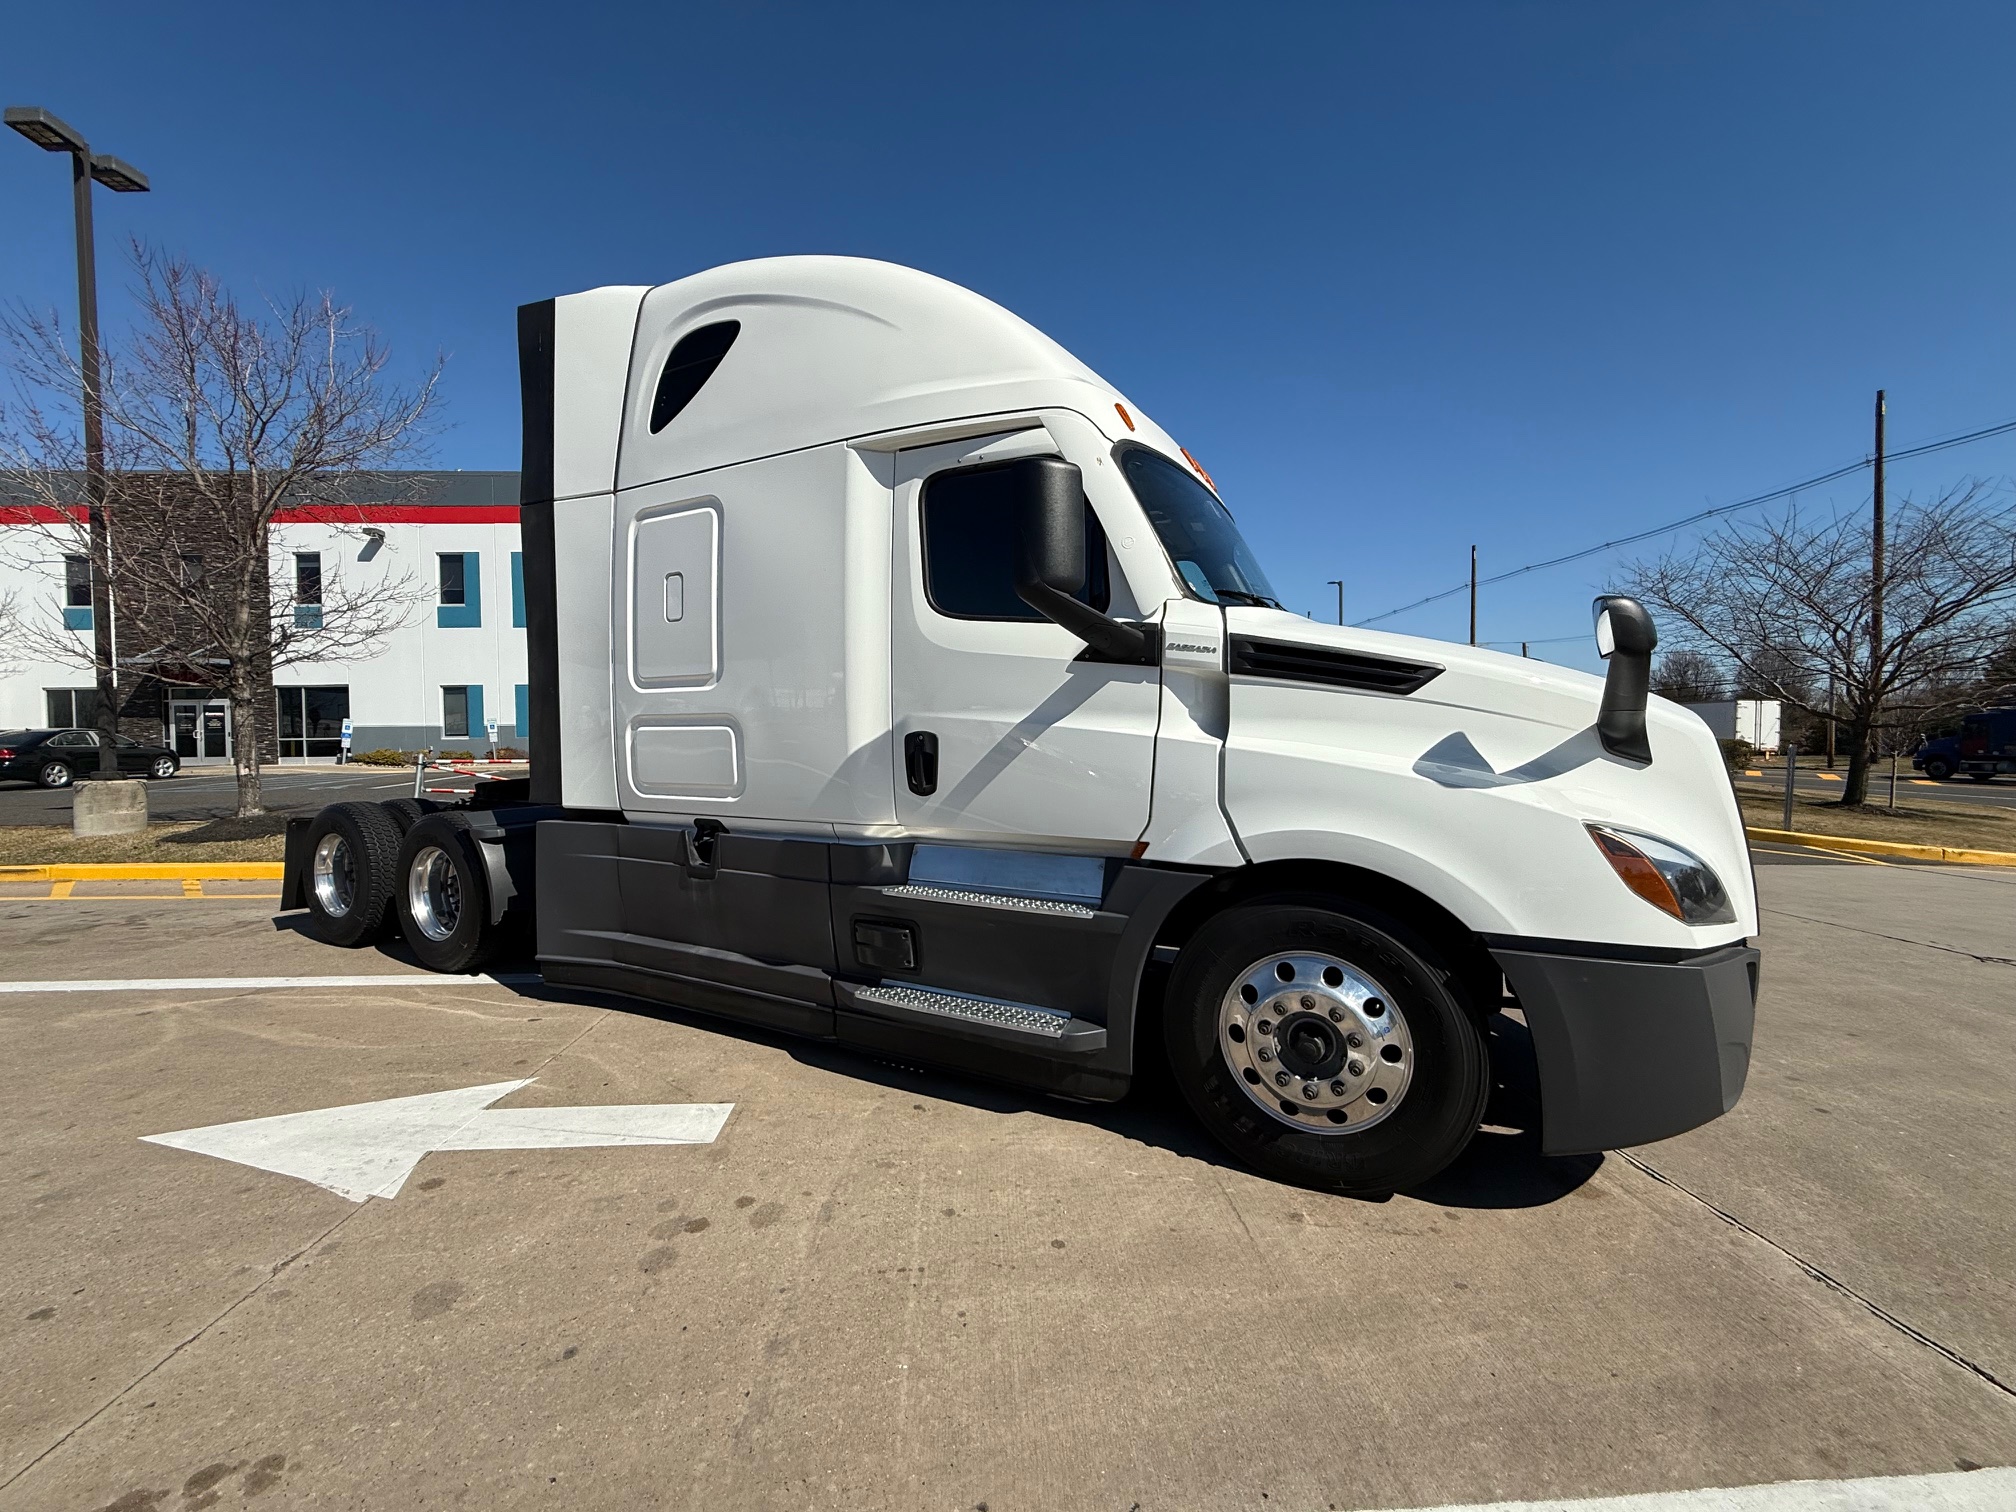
[(352, 851), (443, 896), (1327, 1046)]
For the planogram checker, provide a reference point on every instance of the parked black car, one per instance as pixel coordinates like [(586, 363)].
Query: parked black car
[(57, 758)]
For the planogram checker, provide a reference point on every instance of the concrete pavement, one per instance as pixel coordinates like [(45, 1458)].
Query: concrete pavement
[(881, 1288)]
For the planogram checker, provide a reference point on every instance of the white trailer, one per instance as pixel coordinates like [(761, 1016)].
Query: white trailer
[(1756, 720), (895, 680)]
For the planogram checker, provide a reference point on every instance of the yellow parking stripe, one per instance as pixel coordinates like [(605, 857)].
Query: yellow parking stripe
[(60, 889), (192, 887)]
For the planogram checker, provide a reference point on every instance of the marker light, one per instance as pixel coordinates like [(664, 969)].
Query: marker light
[(1199, 466), (1672, 880), (1125, 418)]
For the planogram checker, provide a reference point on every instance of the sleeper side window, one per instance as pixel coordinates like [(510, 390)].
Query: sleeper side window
[(971, 547)]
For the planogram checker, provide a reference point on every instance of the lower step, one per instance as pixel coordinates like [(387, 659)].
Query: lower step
[(1022, 1020)]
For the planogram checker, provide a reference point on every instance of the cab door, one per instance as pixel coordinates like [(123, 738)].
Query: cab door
[(1003, 731)]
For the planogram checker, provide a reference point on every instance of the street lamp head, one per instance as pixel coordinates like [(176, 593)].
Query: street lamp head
[(119, 177), (44, 129)]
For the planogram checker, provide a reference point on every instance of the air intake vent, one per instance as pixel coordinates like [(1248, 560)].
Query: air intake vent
[(1336, 669)]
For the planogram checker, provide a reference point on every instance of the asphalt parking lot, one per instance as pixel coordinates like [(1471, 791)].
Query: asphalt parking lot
[(1816, 781), (880, 1288), (210, 792)]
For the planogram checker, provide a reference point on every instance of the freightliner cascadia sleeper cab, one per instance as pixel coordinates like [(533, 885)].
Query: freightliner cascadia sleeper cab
[(896, 681)]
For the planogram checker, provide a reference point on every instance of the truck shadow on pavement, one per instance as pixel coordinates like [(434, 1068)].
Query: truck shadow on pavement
[(1502, 1168)]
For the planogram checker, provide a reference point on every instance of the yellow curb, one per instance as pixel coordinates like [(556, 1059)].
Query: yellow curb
[(148, 871), (1888, 847)]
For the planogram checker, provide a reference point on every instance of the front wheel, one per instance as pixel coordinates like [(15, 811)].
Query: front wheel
[(1326, 1047), (56, 774), (1938, 769)]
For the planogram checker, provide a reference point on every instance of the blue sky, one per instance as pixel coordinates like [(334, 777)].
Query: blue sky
[(1403, 276)]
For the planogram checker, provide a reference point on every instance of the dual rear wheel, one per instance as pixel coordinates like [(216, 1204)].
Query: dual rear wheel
[(374, 867)]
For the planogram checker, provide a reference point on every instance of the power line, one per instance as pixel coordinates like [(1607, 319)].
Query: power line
[(1752, 502)]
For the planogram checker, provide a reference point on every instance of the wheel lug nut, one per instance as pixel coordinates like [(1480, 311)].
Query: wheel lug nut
[(1354, 1041), (1264, 1053), (1356, 1068), (1308, 1002), (1265, 1026), (1336, 1015), (1309, 1091), (1280, 1078), (1337, 1089)]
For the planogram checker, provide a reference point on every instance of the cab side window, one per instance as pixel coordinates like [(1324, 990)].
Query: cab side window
[(971, 546)]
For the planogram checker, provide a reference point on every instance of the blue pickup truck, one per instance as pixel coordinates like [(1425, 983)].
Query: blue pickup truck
[(1984, 748)]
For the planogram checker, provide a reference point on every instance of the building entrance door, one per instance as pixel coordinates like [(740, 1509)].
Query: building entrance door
[(200, 729)]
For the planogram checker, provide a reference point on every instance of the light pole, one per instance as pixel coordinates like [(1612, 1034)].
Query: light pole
[(52, 135), (1334, 583)]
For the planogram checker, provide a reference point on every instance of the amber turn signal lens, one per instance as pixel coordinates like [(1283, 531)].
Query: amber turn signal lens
[(1125, 418), (1636, 871)]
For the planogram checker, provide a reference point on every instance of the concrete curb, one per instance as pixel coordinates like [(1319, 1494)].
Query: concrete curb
[(148, 871), (1951, 853)]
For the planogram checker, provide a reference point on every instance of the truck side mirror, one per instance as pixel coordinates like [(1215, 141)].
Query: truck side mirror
[(1625, 638), (1049, 497)]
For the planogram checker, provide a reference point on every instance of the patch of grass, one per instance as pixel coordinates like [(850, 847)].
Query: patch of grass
[(1920, 821), (40, 845)]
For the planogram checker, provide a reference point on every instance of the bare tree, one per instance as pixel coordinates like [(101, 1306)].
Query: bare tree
[(1790, 603), (217, 417), (1689, 675)]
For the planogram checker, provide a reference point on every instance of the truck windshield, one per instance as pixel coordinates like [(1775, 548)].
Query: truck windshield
[(1197, 531)]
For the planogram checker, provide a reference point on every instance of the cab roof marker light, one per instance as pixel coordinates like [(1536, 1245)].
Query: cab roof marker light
[(1676, 882), (1125, 418), (1199, 467)]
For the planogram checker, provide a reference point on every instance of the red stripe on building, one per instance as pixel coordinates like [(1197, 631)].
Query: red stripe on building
[(316, 514)]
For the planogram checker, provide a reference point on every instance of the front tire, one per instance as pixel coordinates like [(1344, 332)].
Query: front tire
[(1326, 1046), (353, 849), (1938, 769), (444, 897), (55, 774)]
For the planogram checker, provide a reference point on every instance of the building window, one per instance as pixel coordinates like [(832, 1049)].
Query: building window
[(307, 590), (76, 593), (971, 543), (311, 721), (518, 590), (72, 708), (461, 712), (460, 603), (522, 696)]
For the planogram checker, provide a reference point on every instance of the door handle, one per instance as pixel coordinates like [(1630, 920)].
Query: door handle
[(920, 762)]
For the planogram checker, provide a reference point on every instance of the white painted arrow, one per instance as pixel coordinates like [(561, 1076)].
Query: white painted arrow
[(369, 1149)]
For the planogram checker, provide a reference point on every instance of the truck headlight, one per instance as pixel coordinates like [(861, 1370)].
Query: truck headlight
[(1672, 880)]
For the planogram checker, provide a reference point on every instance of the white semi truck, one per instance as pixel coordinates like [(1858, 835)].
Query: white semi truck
[(896, 681)]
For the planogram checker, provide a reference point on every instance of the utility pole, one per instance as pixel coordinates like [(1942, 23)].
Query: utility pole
[(1876, 561), (1522, 649), (1334, 583), (1473, 595), (52, 135)]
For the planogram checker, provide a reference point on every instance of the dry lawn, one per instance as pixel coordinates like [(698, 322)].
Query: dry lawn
[(39, 845), (1918, 821)]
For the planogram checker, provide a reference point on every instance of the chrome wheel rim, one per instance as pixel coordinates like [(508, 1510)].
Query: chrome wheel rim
[(164, 767), (58, 775), (434, 893), (334, 876), (1316, 1043)]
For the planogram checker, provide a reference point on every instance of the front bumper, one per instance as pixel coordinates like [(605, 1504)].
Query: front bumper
[(1633, 1051)]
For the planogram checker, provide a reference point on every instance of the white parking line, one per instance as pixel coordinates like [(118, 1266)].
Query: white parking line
[(1955, 1491), (227, 984)]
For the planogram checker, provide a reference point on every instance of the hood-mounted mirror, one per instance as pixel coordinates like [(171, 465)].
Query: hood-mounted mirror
[(1625, 639)]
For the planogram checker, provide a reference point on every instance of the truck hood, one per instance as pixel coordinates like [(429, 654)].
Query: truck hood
[(1483, 778)]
